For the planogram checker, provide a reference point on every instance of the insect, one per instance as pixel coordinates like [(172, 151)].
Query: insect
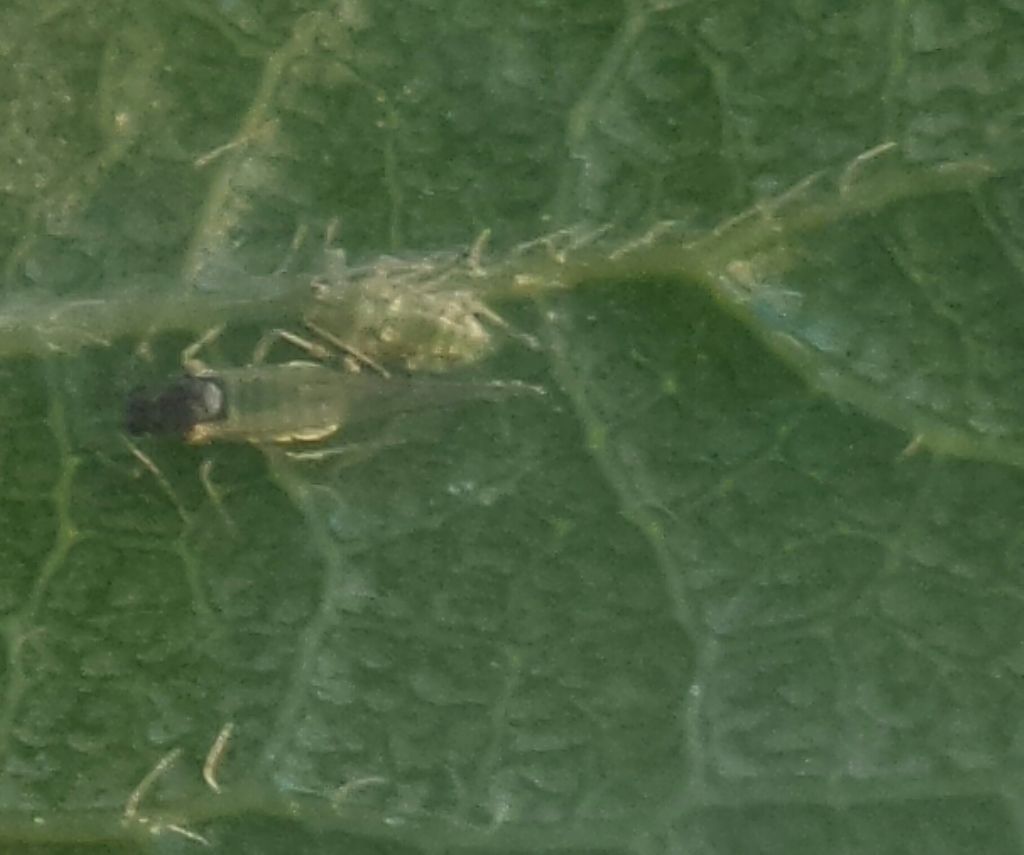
[(299, 401)]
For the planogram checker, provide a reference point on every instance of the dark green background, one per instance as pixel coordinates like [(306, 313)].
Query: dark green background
[(705, 597)]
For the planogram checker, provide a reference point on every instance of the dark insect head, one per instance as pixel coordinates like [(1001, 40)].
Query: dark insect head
[(175, 409)]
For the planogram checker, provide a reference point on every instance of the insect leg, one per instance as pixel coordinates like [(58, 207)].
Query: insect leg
[(205, 469), (259, 354), (349, 453), (190, 355), (354, 352), (161, 479)]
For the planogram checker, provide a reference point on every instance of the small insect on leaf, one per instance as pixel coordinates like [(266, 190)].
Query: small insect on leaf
[(293, 402)]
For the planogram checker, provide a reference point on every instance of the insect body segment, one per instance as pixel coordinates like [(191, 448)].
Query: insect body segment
[(291, 402), (186, 402)]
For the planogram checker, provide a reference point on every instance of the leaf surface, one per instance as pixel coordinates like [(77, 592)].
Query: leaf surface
[(745, 579)]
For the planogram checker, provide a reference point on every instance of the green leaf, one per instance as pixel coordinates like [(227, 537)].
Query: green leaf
[(744, 580)]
